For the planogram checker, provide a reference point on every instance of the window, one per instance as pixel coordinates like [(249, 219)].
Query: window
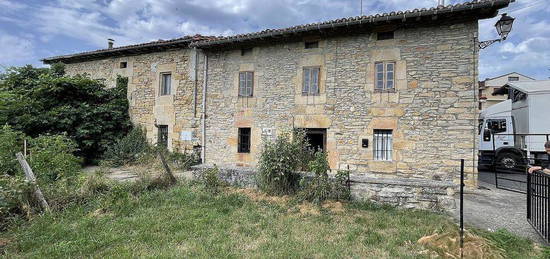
[(123, 65), (385, 75), (162, 135), (244, 140), (311, 81), (246, 51), (165, 83), (497, 125), (382, 145), (311, 44), (386, 35), (513, 78), (246, 83)]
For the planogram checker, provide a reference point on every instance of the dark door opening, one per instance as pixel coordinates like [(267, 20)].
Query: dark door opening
[(317, 138)]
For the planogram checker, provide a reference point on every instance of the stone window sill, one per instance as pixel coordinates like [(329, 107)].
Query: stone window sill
[(385, 91)]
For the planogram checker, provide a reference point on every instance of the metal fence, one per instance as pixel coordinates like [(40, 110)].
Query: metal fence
[(538, 203), (510, 168)]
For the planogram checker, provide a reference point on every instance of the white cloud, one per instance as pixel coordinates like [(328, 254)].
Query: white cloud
[(20, 50)]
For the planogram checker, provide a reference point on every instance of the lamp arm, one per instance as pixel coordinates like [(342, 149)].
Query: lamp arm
[(487, 43)]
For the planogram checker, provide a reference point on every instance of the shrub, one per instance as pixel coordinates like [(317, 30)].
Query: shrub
[(320, 187), (340, 188), (40, 101), (317, 189), (14, 193), (94, 184), (279, 161), (11, 142), (128, 149), (185, 160), (211, 181), (52, 158)]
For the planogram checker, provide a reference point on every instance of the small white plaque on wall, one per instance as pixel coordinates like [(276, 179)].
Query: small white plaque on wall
[(267, 131), (186, 135)]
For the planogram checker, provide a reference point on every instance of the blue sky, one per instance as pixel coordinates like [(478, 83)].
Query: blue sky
[(34, 29)]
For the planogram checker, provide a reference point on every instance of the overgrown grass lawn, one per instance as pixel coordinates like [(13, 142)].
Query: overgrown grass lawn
[(185, 221)]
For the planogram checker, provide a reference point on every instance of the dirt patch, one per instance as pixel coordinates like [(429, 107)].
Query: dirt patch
[(3, 243), (99, 213), (334, 206), (259, 196), (447, 245)]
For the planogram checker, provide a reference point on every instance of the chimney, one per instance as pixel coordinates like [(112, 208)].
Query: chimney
[(111, 42), (440, 2)]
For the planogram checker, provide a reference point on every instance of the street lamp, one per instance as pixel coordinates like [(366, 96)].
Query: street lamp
[(503, 26)]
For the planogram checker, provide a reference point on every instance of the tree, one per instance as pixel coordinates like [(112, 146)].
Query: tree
[(40, 101)]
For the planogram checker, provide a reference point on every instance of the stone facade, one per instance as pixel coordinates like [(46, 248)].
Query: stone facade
[(180, 110), (432, 111)]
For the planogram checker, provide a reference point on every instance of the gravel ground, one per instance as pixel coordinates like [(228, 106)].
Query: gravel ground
[(490, 208)]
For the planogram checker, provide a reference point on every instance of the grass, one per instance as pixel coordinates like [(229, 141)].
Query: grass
[(186, 221)]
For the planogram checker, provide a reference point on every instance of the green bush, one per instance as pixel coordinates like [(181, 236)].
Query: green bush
[(40, 101), (320, 187), (211, 181), (52, 158), (11, 142), (279, 162), (127, 149), (14, 196), (56, 169), (185, 160)]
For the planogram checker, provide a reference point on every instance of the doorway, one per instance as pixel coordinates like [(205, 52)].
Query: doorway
[(317, 138)]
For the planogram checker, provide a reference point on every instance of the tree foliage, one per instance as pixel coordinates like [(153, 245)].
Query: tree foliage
[(44, 101)]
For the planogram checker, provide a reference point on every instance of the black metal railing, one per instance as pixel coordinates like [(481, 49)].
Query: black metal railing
[(538, 203)]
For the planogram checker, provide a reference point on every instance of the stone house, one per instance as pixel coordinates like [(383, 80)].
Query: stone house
[(488, 86), (391, 95)]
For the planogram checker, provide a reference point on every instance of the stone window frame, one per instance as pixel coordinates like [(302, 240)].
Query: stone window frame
[(162, 90), (385, 72), (244, 139), (308, 92), (248, 90), (383, 152)]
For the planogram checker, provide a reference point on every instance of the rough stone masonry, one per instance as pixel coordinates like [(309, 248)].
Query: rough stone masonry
[(423, 124)]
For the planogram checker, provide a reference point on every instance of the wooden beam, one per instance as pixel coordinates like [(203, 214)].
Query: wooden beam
[(30, 177)]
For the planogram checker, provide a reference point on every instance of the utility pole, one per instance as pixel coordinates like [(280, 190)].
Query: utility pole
[(361, 7)]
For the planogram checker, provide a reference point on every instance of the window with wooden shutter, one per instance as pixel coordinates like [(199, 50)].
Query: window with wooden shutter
[(311, 81), (384, 75), (246, 83)]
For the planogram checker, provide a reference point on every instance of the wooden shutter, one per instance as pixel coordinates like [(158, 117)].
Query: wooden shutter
[(242, 83), (249, 83), (314, 88), (306, 81)]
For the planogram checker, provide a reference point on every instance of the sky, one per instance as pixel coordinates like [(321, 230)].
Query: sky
[(34, 29)]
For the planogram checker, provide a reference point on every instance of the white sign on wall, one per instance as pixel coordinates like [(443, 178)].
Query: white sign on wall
[(186, 135), (267, 131)]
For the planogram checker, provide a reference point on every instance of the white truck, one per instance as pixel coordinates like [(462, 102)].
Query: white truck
[(520, 126)]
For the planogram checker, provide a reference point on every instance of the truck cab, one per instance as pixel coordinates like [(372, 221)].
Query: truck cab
[(512, 133)]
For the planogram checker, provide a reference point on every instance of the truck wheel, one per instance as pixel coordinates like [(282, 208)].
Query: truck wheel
[(508, 161)]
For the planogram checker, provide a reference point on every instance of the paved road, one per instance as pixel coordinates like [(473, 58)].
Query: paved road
[(490, 208)]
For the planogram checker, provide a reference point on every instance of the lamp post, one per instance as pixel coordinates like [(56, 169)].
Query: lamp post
[(503, 26)]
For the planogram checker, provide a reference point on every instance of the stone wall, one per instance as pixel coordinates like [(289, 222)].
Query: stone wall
[(432, 112), (180, 110), (400, 192)]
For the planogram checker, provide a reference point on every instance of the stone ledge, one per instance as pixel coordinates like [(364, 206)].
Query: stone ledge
[(401, 192), (402, 181)]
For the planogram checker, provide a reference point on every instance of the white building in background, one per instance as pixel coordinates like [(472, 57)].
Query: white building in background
[(489, 85)]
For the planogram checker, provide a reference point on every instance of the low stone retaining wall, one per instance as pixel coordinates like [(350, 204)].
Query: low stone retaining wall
[(401, 192)]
